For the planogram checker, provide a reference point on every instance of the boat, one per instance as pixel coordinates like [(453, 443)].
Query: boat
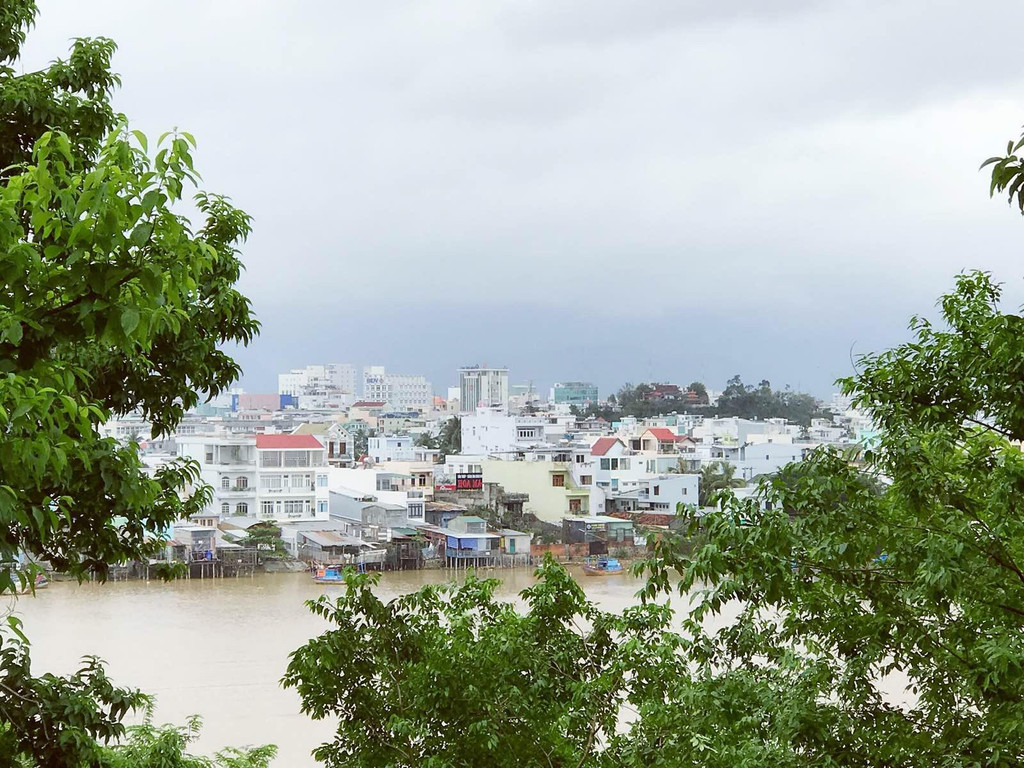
[(329, 574), (602, 566), (41, 582)]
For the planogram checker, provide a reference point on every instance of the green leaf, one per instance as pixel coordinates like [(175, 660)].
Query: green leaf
[(129, 320)]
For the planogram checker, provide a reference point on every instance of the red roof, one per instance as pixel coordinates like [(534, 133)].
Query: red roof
[(603, 445), (287, 441), (663, 434)]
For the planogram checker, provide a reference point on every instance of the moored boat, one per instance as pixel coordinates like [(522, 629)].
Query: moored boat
[(602, 566), (329, 574)]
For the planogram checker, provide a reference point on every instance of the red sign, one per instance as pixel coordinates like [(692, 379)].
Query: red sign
[(469, 482)]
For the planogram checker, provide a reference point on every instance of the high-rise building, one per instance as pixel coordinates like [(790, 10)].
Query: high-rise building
[(318, 379), (400, 391), (574, 393), (483, 386)]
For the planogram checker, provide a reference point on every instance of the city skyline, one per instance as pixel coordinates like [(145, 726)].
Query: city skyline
[(662, 191)]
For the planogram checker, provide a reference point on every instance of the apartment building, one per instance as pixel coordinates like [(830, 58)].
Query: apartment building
[(262, 477)]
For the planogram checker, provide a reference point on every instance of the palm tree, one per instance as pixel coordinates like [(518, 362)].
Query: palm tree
[(714, 477)]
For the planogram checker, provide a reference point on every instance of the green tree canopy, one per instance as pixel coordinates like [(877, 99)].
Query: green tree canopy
[(111, 301)]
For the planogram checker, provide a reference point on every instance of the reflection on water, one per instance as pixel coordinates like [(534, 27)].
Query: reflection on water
[(219, 647)]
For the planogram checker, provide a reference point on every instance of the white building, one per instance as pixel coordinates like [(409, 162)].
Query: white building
[(493, 431), (660, 493), (318, 380), (482, 386), (401, 392), (384, 448), (262, 477)]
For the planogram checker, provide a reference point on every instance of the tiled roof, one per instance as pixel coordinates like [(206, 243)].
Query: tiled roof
[(369, 404), (603, 445), (663, 434), (287, 441)]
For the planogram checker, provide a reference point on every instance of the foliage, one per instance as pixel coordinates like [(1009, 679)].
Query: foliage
[(449, 676), (426, 440), (762, 402), (716, 476), (111, 302), (50, 720), (738, 399), (72, 94), (1008, 173), (266, 538), (450, 441), (150, 746), (360, 443)]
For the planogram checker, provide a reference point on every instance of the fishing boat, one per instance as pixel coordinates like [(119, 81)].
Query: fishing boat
[(329, 574), (602, 566)]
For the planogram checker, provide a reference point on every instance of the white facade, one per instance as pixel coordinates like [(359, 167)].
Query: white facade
[(401, 392), (393, 448), (265, 477), (483, 387), (493, 431), (378, 485), (318, 379), (755, 459), (660, 493)]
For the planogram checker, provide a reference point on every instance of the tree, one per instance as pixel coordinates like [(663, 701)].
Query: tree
[(700, 391), (360, 443), (150, 745), (426, 440), (716, 476), (110, 301), (266, 538), (762, 402), (450, 441)]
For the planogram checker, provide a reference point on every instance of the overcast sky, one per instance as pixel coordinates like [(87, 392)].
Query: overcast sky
[(577, 189)]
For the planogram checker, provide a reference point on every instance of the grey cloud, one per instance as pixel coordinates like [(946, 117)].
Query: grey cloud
[(594, 184)]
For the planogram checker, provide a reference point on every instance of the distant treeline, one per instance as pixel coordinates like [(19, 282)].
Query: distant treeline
[(738, 399)]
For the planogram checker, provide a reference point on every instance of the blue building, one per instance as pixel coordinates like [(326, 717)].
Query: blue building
[(574, 393)]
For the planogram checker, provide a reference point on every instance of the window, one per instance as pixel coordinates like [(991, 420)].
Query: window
[(657, 490), (767, 457), (615, 463), (321, 507), (225, 482), (558, 481), (606, 464), (575, 505), (321, 481), (623, 463), (241, 483), (241, 508), (225, 508), (586, 479), (684, 491), (209, 457), (270, 481), (579, 458), (267, 509)]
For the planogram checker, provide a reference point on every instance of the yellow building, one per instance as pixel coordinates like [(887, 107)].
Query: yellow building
[(553, 494)]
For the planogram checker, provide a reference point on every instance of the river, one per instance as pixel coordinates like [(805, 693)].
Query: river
[(218, 647)]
